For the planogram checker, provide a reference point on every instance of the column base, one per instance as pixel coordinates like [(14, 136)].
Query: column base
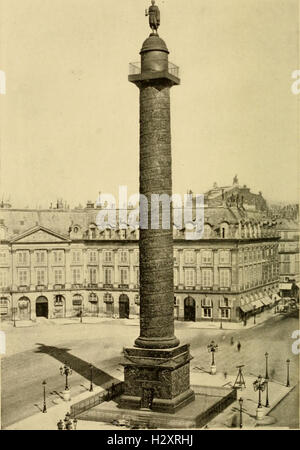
[(157, 380), (158, 343)]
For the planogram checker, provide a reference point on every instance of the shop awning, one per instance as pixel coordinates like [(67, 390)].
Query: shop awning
[(285, 286), (246, 308), (267, 301), (257, 304)]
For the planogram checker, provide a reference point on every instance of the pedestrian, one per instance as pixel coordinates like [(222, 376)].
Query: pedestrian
[(231, 341), (239, 345), (225, 374)]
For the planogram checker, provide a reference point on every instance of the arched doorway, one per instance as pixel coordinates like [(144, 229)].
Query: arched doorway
[(41, 307), (77, 303), (59, 306), (124, 306), (93, 304), (189, 309), (24, 308)]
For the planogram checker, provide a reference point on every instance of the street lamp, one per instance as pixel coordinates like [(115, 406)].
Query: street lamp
[(267, 394), (288, 373), (67, 371), (267, 372), (259, 385), (14, 311), (212, 348), (221, 322), (44, 389), (241, 412), (254, 316), (91, 385)]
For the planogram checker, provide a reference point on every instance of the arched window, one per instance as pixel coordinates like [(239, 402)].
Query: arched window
[(108, 298)]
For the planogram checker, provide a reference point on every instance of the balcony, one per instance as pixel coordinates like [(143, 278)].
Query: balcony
[(41, 287), (108, 286), (92, 285), (59, 286), (77, 286), (23, 288), (124, 286)]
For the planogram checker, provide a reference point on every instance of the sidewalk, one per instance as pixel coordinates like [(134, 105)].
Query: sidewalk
[(230, 417), (48, 421), (207, 324), (134, 321)]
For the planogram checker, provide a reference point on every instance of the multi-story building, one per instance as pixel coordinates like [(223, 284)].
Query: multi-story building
[(57, 263), (289, 257)]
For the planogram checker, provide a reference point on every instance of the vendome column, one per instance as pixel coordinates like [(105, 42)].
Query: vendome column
[(157, 368)]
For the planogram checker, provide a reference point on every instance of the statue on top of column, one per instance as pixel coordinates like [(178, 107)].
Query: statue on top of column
[(154, 16)]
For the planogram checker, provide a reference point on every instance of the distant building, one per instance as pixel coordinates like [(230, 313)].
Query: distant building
[(235, 196)]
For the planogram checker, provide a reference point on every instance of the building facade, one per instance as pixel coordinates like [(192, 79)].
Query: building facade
[(56, 263), (289, 257)]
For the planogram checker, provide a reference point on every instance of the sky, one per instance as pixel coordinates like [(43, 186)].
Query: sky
[(70, 118)]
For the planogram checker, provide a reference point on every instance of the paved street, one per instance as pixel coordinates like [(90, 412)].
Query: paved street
[(35, 354)]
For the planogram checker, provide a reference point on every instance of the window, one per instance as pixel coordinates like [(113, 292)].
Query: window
[(107, 275), (225, 313), (207, 257), (76, 256), (224, 278), (137, 277), (23, 277), (189, 257), (40, 277), (4, 306), (76, 276), (207, 312), (107, 256), (246, 256), (40, 257), (77, 300), (93, 256), (224, 257), (93, 275), (124, 257), (207, 278), (124, 275), (22, 257), (241, 277), (58, 257), (3, 278), (58, 276), (3, 257), (108, 298), (176, 259), (241, 257), (176, 277), (190, 277)]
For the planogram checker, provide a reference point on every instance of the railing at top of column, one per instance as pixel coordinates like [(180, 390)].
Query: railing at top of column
[(135, 69)]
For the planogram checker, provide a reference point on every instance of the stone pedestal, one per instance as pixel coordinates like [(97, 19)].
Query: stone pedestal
[(157, 380), (213, 369), (259, 413), (67, 395)]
